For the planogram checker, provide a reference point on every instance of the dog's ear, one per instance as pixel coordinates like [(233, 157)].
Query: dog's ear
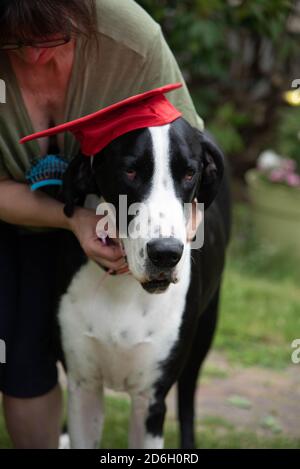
[(212, 171), (78, 182)]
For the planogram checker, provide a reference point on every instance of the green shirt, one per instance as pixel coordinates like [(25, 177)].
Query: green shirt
[(132, 57)]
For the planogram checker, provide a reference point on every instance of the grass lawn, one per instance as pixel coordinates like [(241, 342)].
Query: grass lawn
[(260, 317), (260, 310), (212, 433)]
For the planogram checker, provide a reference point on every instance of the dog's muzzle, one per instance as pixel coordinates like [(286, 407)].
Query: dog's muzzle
[(163, 255)]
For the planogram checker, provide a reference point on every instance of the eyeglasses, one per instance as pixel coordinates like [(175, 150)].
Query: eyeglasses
[(39, 45)]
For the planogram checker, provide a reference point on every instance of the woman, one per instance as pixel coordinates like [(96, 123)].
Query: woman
[(60, 60)]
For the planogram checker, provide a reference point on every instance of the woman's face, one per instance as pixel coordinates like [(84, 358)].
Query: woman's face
[(34, 55)]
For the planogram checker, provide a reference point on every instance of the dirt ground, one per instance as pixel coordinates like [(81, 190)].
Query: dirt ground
[(253, 399)]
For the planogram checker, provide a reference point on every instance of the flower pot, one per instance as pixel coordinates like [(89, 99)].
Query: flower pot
[(276, 212)]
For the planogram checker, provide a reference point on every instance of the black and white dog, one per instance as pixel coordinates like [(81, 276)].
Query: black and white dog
[(121, 333)]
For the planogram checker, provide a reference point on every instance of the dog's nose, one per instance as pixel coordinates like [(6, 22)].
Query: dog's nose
[(165, 252)]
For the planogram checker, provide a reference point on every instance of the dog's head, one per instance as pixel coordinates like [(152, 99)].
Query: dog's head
[(161, 169)]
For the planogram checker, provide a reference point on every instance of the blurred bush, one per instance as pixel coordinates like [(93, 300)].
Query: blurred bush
[(237, 57), (288, 134)]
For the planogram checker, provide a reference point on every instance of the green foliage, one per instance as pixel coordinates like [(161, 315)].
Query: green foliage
[(225, 127), (288, 136), (198, 31), (236, 56)]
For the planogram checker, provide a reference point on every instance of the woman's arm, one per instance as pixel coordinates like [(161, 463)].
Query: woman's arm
[(20, 206)]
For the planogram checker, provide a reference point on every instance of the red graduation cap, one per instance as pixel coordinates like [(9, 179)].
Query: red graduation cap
[(95, 131)]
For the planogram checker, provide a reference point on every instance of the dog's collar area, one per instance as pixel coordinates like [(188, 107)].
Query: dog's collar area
[(106, 269)]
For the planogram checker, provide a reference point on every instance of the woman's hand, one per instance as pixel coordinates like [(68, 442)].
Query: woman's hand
[(83, 224)]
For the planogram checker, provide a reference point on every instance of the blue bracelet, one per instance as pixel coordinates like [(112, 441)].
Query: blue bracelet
[(47, 171)]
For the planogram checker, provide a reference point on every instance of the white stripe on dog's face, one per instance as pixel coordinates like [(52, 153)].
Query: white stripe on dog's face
[(160, 214)]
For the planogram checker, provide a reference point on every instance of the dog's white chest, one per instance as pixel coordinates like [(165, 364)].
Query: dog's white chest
[(115, 332)]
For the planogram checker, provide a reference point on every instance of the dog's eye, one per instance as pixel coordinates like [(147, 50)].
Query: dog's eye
[(189, 174), (131, 174)]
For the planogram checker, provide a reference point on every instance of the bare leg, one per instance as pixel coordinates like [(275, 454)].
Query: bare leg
[(85, 415), (34, 423)]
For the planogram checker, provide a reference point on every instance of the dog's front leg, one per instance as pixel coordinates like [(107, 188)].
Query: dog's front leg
[(146, 423), (85, 414)]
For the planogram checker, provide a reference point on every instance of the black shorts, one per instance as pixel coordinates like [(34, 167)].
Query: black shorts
[(35, 269)]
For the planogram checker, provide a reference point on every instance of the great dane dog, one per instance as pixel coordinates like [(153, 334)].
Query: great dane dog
[(141, 333)]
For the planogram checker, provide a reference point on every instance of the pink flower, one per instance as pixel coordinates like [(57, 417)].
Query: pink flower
[(278, 169), (293, 180), (277, 175), (288, 165)]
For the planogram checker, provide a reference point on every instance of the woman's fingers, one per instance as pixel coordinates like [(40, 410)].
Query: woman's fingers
[(108, 265), (110, 255), (96, 249), (111, 260), (123, 270), (115, 266)]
